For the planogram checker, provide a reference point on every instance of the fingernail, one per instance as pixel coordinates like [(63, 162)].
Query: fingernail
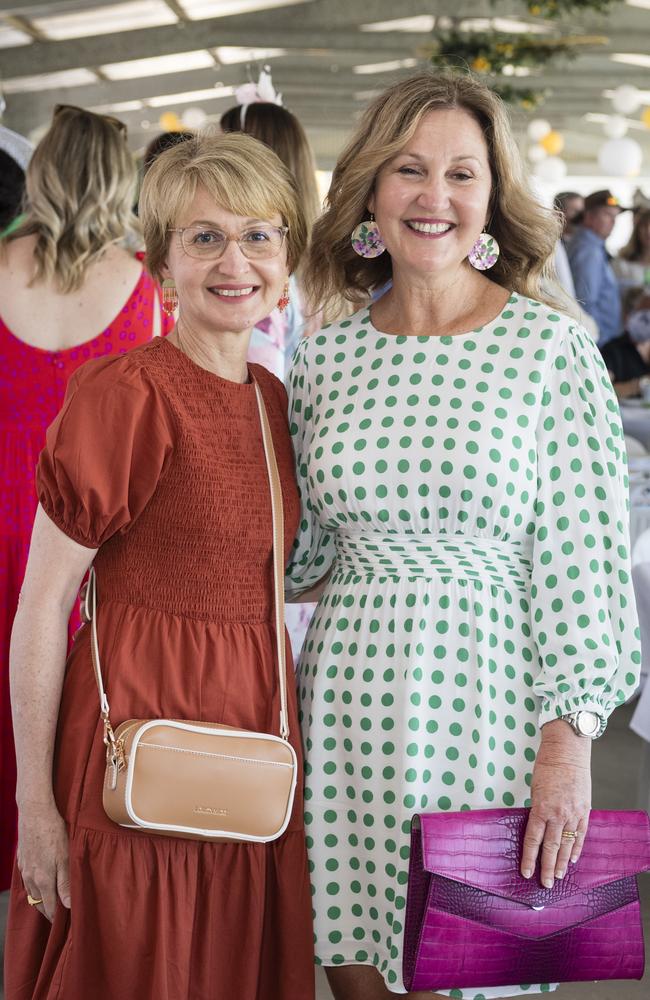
[(559, 874), (574, 861), (547, 883), (526, 873)]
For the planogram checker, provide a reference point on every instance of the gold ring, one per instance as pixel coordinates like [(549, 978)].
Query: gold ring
[(32, 901), (569, 834)]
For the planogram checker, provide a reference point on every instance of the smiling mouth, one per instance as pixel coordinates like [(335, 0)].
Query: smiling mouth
[(429, 228), (233, 293)]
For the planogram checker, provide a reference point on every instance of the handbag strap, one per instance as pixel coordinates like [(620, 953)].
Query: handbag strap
[(277, 511)]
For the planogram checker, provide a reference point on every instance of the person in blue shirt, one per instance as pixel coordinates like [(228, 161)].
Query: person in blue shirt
[(594, 279)]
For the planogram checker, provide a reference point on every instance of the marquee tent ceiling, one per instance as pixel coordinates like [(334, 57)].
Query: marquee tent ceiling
[(140, 58)]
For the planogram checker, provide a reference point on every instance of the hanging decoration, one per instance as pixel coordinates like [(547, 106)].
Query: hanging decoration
[(497, 55), (558, 8), (626, 99), (551, 169), (193, 118), (620, 157), (544, 153), (552, 143), (170, 122), (615, 127)]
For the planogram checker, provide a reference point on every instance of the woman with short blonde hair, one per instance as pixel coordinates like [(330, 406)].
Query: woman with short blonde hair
[(155, 472)]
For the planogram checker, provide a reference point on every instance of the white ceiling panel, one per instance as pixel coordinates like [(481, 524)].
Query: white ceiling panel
[(421, 22), (231, 54), (190, 97), (106, 19), (384, 67), (157, 65), (199, 10), (49, 81), (9, 37)]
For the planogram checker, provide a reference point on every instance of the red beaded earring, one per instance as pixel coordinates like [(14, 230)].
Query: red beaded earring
[(169, 297), (284, 299)]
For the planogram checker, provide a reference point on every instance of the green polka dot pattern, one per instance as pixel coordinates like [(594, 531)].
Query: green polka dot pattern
[(469, 494)]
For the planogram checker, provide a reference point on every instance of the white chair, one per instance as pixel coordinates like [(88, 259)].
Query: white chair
[(634, 447)]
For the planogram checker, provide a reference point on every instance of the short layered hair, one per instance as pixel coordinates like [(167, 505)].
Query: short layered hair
[(241, 174)]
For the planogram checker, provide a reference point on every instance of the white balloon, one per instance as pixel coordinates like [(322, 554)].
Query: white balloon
[(537, 129), (552, 169), (620, 157), (626, 99), (615, 127), (193, 117), (536, 154)]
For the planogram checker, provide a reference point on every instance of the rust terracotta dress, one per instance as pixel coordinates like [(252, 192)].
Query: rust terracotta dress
[(160, 464)]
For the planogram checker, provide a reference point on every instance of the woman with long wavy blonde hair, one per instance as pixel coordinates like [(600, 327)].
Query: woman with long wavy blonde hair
[(70, 290), (460, 462)]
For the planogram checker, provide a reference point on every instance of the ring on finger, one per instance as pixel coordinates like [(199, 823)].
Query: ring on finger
[(569, 834), (33, 901)]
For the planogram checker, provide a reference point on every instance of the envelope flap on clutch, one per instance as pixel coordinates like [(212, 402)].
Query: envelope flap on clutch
[(482, 848)]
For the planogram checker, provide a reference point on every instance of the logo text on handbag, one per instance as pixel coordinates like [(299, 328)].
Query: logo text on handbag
[(210, 811)]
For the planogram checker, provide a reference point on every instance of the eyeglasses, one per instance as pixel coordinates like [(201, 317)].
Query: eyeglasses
[(256, 243), (120, 126)]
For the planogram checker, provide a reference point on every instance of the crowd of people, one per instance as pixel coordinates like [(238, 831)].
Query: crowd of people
[(474, 622), (613, 291)]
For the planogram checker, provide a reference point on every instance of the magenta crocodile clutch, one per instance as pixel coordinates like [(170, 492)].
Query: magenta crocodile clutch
[(473, 920)]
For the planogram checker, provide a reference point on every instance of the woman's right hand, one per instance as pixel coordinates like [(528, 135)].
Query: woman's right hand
[(43, 856)]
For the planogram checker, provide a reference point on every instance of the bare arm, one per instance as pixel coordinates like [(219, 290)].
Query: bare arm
[(313, 594), (55, 568)]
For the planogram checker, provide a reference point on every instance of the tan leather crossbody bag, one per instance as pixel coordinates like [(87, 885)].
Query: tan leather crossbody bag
[(203, 780)]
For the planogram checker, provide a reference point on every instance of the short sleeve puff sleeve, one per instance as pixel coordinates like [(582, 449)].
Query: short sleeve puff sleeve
[(313, 549), (584, 614), (106, 451)]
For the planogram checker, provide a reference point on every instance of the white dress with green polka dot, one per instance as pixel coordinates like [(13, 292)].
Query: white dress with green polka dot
[(470, 494)]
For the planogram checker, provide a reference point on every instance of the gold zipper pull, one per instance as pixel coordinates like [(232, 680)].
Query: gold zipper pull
[(113, 773)]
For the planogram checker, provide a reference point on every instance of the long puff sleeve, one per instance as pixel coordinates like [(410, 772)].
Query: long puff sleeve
[(105, 452), (313, 549), (583, 610)]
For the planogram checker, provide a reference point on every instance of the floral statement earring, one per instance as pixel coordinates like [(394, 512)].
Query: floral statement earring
[(485, 252), (284, 299), (169, 297), (366, 239)]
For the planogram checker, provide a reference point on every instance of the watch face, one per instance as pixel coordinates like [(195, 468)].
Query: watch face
[(588, 723)]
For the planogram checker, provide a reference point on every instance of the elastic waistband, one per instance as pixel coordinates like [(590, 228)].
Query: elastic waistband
[(500, 563)]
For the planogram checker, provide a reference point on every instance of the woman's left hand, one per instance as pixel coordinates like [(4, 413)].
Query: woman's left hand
[(561, 801)]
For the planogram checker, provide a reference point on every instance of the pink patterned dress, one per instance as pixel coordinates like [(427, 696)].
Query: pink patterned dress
[(32, 387)]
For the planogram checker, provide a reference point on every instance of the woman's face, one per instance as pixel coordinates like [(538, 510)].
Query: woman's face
[(230, 294), (431, 201)]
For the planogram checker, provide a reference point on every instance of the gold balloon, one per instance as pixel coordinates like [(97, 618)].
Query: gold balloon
[(553, 143), (170, 122), (645, 117)]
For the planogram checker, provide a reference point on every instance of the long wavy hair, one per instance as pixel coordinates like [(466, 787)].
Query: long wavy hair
[(80, 188), (525, 230), (633, 249)]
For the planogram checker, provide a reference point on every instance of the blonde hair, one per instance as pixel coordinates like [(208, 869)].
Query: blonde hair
[(80, 188), (242, 175), (633, 248), (278, 128), (526, 232)]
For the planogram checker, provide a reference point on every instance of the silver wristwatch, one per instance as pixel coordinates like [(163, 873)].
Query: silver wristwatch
[(588, 724)]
